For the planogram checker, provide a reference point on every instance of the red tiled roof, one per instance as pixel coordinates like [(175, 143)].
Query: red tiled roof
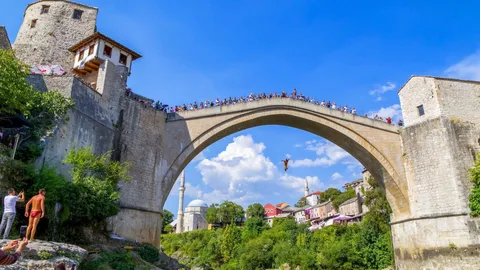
[(314, 193)]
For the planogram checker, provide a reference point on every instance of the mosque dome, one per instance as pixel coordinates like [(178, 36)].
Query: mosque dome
[(197, 203)]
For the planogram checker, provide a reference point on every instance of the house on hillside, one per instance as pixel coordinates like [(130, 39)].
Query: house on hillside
[(313, 198), (351, 207), (321, 211), (301, 214), (281, 210)]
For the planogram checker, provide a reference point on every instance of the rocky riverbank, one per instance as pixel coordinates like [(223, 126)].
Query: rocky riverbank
[(40, 255)]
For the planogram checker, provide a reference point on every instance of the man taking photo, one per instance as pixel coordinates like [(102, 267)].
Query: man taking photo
[(9, 205)]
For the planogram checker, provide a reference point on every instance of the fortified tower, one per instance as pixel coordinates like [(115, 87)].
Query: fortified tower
[(50, 28), (440, 141)]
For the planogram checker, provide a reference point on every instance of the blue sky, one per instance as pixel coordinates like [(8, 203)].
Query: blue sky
[(354, 53)]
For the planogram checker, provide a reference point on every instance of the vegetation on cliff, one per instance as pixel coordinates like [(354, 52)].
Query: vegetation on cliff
[(87, 201), (366, 245), (475, 195), (18, 99), (91, 197)]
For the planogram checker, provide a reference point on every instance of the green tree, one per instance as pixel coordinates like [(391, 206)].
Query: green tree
[(168, 229), (167, 219), (230, 212), (253, 227), (17, 97), (93, 195), (301, 202), (211, 215), (475, 195), (230, 239), (257, 254), (330, 194), (88, 166), (374, 239), (255, 210), (15, 92), (47, 108), (348, 194), (225, 213)]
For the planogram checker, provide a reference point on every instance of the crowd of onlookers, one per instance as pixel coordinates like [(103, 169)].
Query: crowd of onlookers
[(250, 98)]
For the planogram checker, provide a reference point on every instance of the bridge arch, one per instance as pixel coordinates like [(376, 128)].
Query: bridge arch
[(376, 145)]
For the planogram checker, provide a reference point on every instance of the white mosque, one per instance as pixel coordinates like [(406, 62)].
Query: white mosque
[(194, 217), (195, 214)]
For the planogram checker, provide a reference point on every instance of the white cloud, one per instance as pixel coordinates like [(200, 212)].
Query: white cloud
[(288, 156), (393, 111), (383, 89), (328, 154), (336, 176), (241, 161), (193, 191), (468, 68), (235, 174), (379, 99), (296, 184), (297, 145)]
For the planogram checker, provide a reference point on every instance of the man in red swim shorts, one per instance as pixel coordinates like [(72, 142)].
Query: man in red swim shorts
[(38, 211)]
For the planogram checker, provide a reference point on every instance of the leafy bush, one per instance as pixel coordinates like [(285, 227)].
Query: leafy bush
[(475, 195), (148, 252), (119, 259), (44, 255), (29, 151)]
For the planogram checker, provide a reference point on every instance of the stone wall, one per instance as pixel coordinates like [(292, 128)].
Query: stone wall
[(419, 91), (88, 123), (54, 33), (141, 143), (4, 41), (459, 100), (437, 156), (455, 99)]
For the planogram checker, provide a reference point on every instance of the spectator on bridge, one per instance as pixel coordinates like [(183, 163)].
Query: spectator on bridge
[(400, 123), (389, 120)]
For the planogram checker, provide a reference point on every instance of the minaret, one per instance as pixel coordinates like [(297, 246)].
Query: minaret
[(180, 203), (306, 187)]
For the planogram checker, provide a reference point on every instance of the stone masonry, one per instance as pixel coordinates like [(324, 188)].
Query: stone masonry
[(4, 41), (423, 166), (54, 32), (439, 148)]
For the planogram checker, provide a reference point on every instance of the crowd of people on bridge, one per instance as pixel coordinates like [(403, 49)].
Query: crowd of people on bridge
[(251, 98)]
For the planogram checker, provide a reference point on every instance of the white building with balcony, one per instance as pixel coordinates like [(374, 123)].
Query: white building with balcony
[(94, 50)]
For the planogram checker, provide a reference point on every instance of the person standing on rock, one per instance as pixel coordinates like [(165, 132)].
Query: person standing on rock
[(38, 211), (9, 204), (7, 259)]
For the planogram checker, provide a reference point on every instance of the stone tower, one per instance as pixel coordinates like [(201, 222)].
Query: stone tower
[(50, 28), (181, 194), (306, 187)]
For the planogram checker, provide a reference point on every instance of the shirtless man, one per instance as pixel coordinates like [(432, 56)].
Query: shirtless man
[(38, 211), (285, 163)]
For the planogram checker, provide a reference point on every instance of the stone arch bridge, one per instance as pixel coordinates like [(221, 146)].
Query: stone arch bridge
[(376, 144), (423, 166)]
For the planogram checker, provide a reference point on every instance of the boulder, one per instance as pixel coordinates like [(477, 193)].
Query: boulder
[(40, 255)]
